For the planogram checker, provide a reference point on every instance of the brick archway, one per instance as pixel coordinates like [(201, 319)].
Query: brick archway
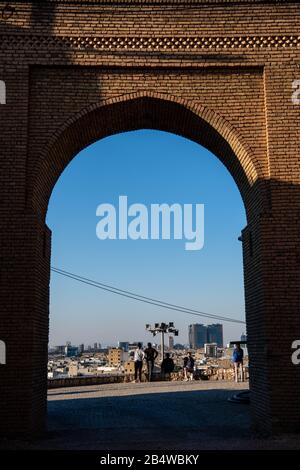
[(137, 111), (220, 73)]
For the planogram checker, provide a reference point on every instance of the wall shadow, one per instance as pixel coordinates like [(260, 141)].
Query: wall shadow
[(160, 420)]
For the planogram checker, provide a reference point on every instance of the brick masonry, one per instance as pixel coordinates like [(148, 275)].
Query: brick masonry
[(219, 72)]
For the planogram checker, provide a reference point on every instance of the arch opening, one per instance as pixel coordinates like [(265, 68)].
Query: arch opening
[(116, 268)]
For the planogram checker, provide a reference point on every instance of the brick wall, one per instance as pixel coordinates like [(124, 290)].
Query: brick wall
[(218, 72)]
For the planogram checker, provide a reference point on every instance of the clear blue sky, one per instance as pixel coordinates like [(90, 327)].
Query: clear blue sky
[(149, 167)]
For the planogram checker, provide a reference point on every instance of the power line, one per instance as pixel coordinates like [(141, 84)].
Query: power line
[(60, 271), (141, 298)]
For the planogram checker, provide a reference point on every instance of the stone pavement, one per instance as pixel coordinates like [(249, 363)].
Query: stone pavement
[(160, 415)]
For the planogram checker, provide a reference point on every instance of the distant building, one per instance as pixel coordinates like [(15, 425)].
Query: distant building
[(129, 368), (60, 350), (215, 334), (73, 369), (71, 351), (116, 357), (197, 335), (81, 349), (106, 370), (211, 349), (244, 346), (199, 354), (171, 342), (133, 346), (179, 347), (123, 345), (243, 337), (200, 334)]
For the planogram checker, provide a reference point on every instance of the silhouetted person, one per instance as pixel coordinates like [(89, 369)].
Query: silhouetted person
[(138, 362), (237, 359), (188, 366), (167, 366), (150, 355)]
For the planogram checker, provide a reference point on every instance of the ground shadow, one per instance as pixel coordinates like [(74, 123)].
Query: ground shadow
[(148, 420)]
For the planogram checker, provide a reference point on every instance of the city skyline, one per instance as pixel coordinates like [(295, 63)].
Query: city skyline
[(150, 338)]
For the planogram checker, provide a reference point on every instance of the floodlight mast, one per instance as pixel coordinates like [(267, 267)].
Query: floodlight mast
[(162, 328)]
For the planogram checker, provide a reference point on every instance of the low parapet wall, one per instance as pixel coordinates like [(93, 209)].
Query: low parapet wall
[(210, 374), (78, 381)]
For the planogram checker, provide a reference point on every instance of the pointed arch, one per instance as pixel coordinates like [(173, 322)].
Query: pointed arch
[(136, 111)]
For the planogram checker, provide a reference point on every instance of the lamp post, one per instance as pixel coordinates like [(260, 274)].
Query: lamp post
[(162, 328)]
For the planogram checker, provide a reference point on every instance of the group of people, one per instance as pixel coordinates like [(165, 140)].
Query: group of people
[(167, 366), (149, 355)]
